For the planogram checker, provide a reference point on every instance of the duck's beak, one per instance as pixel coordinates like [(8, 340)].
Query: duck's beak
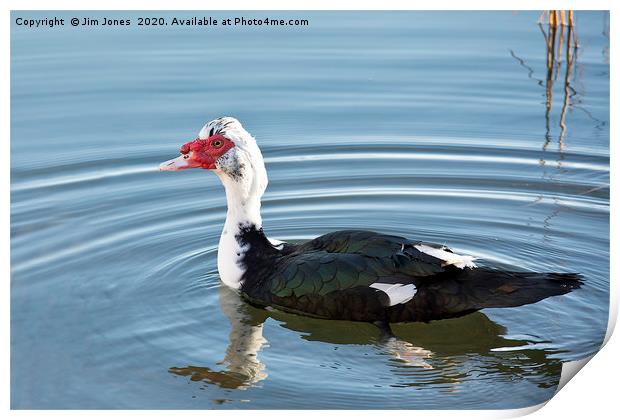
[(179, 163)]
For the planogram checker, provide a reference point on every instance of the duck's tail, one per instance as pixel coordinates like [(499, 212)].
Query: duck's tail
[(487, 288), (480, 288)]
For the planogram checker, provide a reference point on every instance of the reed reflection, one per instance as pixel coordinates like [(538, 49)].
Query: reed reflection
[(561, 56), (558, 29), (561, 46)]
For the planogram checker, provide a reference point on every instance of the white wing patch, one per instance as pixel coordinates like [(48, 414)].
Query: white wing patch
[(398, 293), (448, 258), (277, 243)]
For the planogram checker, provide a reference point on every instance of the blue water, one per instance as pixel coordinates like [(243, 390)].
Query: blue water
[(445, 127)]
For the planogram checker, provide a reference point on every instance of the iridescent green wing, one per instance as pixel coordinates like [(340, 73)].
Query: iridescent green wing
[(322, 272)]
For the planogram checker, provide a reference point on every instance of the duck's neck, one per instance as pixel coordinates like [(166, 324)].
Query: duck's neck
[(243, 225)]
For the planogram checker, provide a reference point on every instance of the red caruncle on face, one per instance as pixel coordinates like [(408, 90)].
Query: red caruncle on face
[(205, 153)]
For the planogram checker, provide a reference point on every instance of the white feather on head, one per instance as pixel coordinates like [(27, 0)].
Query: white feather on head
[(245, 153)]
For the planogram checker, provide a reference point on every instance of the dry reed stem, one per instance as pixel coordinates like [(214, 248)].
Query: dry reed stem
[(558, 17)]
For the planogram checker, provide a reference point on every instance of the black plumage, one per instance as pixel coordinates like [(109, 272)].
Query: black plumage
[(331, 277)]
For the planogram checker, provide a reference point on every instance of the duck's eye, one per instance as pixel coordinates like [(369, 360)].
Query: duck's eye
[(217, 143)]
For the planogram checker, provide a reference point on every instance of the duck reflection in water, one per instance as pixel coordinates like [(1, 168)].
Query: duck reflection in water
[(440, 346), (245, 341)]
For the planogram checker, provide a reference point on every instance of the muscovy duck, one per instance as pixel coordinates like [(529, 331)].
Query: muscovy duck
[(355, 275)]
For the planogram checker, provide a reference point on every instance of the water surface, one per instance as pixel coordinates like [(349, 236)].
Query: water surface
[(456, 128)]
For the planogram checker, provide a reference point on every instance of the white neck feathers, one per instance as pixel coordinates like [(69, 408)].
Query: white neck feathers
[(243, 196)]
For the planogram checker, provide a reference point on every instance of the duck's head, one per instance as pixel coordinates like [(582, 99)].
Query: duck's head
[(226, 148)]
